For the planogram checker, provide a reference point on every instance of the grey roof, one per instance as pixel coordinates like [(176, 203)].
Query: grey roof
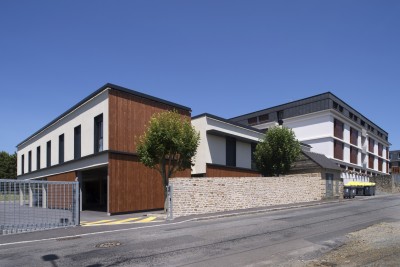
[(113, 87), (305, 106), (322, 160)]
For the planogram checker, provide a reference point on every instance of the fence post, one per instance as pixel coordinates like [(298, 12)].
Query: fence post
[(44, 196), (169, 196), (30, 194), (76, 212), (21, 195)]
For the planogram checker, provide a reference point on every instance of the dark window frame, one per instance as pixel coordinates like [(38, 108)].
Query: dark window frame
[(30, 161), (22, 164), (61, 148), (98, 134), (77, 142), (38, 158), (230, 151), (48, 155)]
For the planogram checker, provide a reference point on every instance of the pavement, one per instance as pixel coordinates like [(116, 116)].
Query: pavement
[(93, 222)]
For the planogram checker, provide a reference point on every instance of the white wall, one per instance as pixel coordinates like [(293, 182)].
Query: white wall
[(212, 147), (310, 127), (84, 116)]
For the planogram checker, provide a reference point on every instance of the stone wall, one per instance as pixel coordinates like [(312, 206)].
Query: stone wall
[(383, 183), (207, 195)]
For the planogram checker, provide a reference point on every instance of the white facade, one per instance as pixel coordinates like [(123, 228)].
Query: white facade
[(317, 130), (212, 148), (84, 116)]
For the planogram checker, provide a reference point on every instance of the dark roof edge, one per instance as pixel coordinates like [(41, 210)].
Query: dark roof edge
[(227, 121), (279, 105), (309, 98), (98, 91), (333, 167)]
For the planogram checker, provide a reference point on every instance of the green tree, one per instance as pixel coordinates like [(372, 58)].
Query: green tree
[(168, 145), (8, 165), (275, 154)]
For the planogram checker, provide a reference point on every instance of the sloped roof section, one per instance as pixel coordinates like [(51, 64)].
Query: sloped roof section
[(322, 160)]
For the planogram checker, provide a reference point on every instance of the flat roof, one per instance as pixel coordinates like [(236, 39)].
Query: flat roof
[(98, 91)]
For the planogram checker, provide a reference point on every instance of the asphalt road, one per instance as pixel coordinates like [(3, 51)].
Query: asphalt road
[(285, 237)]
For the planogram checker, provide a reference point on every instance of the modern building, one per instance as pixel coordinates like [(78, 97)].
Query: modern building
[(333, 128), (226, 148), (94, 142), (394, 165)]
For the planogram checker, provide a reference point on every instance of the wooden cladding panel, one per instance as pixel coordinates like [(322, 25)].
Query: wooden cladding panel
[(128, 118), (223, 171), (353, 136), (380, 164), (63, 177), (338, 129), (353, 155), (380, 149), (133, 186), (338, 148), (371, 144), (371, 161)]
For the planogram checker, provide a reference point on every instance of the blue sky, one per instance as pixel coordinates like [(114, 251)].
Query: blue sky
[(222, 57)]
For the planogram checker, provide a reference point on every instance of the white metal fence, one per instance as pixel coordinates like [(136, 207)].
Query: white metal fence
[(29, 205)]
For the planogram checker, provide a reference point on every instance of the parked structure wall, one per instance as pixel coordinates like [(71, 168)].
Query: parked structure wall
[(216, 194)]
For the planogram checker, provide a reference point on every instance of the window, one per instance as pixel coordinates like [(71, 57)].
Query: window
[(380, 149), (253, 158), (370, 161), (398, 155), (30, 161), (338, 129), (38, 158), (335, 105), (77, 142), (280, 117), (371, 144), (230, 151), (252, 121), (48, 156), (61, 149), (362, 123), (353, 136), (263, 118), (22, 164), (340, 108), (338, 149), (353, 155), (98, 133), (380, 165)]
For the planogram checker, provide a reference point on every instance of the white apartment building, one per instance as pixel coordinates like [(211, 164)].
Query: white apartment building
[(333, 128)]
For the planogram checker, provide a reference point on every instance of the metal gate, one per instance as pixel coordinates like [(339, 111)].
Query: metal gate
[(30, 205)]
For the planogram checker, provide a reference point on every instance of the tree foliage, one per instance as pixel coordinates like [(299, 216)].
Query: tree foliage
[(276, 153), (8, 165), (168, 145)]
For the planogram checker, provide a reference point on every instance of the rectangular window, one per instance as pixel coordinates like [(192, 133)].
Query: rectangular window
[(253, 158), (252, 121), (338, 128), (48, 156), (61, 149), (380, 149), (230, 151), (338, 148), (398, 155), (30, 161), (98, 133), (371, 144), (263, 118), (362, 123), (353, 136), (370, 161), (353, 155), (77, 142), (380, 165), (22, 164), (38, 158)]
